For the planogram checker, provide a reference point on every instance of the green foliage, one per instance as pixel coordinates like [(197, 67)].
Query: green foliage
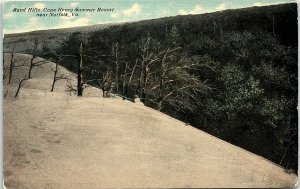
[(241, 93), (203, 45), (275, 111), (272, 77), (255, 89), (234, 79), (70, 46)]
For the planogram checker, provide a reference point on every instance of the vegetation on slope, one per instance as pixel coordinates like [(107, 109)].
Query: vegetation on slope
[(232, 74)]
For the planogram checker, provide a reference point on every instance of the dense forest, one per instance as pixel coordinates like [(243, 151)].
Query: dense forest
[(232, 74)]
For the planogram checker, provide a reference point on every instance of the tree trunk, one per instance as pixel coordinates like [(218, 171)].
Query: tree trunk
[(140, 84), (124, 85), (12, 65), (19, 87), (103, 92), (161, 87), (31, 66), (125, 90), (79, 72), (35, 46), (144, 84), (116, 53), (54, 77), (52, 88), (117, 76)]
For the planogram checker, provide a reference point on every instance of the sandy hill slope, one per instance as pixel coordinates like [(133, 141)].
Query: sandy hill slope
[(57, 140)]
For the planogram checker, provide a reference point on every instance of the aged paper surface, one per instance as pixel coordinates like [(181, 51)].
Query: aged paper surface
[(159, 94)]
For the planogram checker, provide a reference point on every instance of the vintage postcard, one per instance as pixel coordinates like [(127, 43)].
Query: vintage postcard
[(150, 94)]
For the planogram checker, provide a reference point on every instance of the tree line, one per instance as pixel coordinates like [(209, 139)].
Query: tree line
[(239, 86)]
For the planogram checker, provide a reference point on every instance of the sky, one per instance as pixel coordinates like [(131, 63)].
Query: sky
[(123, 11)]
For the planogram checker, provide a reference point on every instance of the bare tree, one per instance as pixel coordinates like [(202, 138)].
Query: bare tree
[(87, 57), (5, 69), (55, 71), (116, 61), (176, 86), (79, 57), (147, 59), (20, 85), (70, 88), (105, 83), (34, 53), (79, 71), (123, 78), (12, 66), (128, 80)]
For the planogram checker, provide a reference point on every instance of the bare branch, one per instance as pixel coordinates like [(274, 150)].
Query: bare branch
[(20, 85)]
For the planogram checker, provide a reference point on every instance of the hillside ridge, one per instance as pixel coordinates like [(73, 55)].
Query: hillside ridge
[(94, 27), (54, 37)]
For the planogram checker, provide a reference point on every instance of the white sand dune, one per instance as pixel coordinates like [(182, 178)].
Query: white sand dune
[(56, 140)]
